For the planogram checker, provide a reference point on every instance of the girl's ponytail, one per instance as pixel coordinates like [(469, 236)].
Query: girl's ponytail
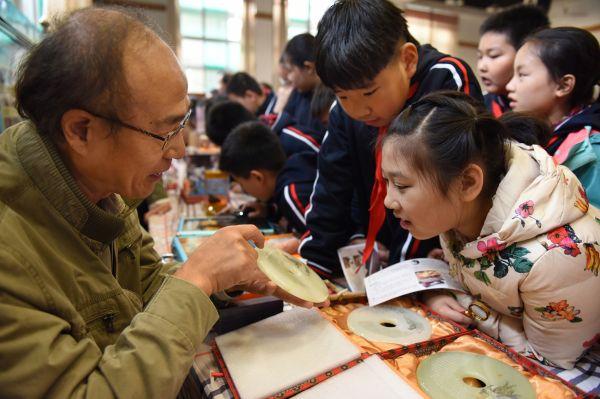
[(444, 132), (526, 129)]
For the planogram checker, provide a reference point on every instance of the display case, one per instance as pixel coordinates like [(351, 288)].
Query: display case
[(17, 35)]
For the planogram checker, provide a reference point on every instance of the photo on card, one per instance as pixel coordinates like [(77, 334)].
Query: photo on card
[(351, 257), (429, 278)]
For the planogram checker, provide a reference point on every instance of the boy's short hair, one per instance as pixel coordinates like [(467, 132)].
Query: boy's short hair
[(223, 117), (356, 40), (516, 23), (240, 82), (251, 146), (225, 78)]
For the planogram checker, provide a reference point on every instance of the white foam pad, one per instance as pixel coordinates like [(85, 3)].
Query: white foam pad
[(281, 351), (370, 379)]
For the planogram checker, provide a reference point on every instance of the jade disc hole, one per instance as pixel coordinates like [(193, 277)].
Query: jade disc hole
[(474, 382), (387, 324)]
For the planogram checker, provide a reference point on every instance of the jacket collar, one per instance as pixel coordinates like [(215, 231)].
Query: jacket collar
[(535, 197), (44, 165)]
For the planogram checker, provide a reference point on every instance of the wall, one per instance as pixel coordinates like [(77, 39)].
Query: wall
[(451, 30), (59, 7), (262, 40), (263, 66), (162, 13), (580, 13)]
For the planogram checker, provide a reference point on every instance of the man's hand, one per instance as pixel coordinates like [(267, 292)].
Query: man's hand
[(446, 306), (227, 261), (224, 260)]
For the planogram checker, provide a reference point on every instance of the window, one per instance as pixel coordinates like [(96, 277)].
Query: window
[(211, 40), (19, 30), (32, 9), (304, 15)]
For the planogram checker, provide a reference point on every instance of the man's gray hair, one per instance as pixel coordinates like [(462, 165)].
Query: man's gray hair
[(79, 65)]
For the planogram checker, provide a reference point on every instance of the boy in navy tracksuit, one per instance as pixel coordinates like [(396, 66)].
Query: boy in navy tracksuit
[(227, 115), (297, 137), (254, 157), (502, 34), (373, 83), (223, 117), (244, 89), (297, 111), (294, 137)]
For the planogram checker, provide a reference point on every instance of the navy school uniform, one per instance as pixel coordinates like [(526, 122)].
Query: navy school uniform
[(293, 187), (586, 117), (347, 168), (496, 104), (266, 108), (297, 111), (575, 143), (295, 138)]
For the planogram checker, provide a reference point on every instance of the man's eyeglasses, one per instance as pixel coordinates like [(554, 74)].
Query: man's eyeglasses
[(164, 137)]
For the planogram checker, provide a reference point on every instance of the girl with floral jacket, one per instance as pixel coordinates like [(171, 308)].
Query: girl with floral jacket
[(517, 229)]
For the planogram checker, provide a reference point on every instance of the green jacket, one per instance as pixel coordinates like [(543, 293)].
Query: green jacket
[(87, 308)]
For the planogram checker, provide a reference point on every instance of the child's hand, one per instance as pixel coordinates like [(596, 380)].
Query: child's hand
[(236, 187), (382, 251), (436, 253), (257, 209), (447, 307), (290, 245)]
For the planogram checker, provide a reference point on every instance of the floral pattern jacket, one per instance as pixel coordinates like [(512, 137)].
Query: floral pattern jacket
[(536, 261)]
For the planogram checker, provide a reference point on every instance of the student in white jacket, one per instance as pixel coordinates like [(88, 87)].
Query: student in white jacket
[(517, 230)]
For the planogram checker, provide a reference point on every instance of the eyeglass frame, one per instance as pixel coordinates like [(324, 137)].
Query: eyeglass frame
[(164, 138)]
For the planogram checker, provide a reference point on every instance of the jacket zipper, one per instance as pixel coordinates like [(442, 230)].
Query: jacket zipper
[(113, 259)]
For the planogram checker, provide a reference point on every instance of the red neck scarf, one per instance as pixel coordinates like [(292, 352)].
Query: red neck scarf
[(376, 208)]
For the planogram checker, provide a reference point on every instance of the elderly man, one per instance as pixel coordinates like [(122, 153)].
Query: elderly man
[(87, 309)]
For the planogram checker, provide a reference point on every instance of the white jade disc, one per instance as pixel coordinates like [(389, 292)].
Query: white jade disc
[(292, 275), (390, 324), (441, 376)]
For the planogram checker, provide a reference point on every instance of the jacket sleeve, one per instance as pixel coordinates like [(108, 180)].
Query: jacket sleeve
[(359, 232), (451, 73), (294, 141), (292, 206), (561, 312), (328, 217), (286, 117), (584, 160), (41, 357), (152, 267)]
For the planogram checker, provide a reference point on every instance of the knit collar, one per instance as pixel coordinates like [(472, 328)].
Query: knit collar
[(44, 165)]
